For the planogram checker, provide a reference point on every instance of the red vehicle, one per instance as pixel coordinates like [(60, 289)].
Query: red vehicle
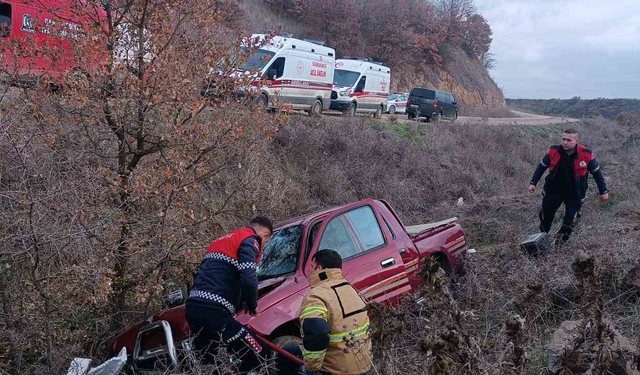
[(50, 26), (382, 259)]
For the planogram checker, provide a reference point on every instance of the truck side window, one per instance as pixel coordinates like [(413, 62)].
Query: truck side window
[(364, 221), (5, 20), (313, 233), (336, 237), (393, 235), (360, 86), (278, 65)]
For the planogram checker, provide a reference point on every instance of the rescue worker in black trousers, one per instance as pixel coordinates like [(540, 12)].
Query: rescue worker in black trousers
[(225, 280), (569, 164)]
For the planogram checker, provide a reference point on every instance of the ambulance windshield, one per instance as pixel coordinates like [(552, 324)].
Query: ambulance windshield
[(258, 61), (345, 78)]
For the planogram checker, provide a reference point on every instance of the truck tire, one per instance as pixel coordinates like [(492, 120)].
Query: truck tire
[(378, 113), (392, 109), (316, 109), (283, 341)]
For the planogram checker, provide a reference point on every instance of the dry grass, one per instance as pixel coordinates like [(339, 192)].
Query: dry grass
[(422, 169), (339, 161), (577, 107), (499, 112)]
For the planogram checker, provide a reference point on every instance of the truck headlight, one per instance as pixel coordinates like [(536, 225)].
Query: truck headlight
[(345, 92)]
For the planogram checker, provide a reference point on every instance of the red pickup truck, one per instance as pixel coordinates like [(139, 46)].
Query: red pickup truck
[(382, 259)]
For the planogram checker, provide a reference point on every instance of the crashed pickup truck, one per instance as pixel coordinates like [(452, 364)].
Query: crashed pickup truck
[(381, 258)]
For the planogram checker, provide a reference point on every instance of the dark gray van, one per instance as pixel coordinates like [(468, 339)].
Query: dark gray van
[(431, 104)]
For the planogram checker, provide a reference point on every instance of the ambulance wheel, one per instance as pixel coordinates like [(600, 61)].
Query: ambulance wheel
[(378, 113), (316, 109), (77, 78), (392, 109), (263, 101), (351, 110)]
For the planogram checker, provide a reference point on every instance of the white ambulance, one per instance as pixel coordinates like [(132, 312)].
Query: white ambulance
[(294, 71), (360, 86)]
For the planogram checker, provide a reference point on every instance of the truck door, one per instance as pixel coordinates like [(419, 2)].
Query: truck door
[(371, 262)]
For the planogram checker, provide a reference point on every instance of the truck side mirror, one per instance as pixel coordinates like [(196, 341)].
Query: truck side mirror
[(271, 74)]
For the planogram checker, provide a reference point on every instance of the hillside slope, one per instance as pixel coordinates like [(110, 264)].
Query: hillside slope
[(576, 107), (438, 49)]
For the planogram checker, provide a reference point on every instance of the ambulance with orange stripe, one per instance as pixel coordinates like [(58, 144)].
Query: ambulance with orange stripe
[(360, 86), (382, 259), (294, 71)]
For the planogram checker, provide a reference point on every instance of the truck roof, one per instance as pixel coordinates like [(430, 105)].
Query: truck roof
[(359, 65), (278, 42), (305, 219)]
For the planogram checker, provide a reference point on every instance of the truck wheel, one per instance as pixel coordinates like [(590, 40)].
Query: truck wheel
[(283, 341), (316, 109), (392, 109), (378, 113)]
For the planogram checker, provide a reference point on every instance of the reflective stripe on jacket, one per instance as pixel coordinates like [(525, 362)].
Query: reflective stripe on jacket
[(335, 326)]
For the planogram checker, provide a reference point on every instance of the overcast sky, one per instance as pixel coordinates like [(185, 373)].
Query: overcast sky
[(565, 48)]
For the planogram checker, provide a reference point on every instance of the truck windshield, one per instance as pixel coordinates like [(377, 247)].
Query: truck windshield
[(258, 61), (281, 253), (345, 78)]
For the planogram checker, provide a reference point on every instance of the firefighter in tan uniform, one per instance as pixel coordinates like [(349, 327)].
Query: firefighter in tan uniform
[(333, 321)]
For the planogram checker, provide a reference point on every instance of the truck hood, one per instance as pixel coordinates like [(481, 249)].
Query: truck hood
[(274, 300), (270, 293)]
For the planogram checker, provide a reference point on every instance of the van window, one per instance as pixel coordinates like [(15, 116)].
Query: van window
[(5, 20), (450, 98), (345, 78), (259, 60), (278, 65), (423, 93), (440, 96), (361, 84)]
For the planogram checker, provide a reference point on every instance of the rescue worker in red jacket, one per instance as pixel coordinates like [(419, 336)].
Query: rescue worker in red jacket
[(225, 280), (569, 165)]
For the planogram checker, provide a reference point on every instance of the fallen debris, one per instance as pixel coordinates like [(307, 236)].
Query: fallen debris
[(80, 366)]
